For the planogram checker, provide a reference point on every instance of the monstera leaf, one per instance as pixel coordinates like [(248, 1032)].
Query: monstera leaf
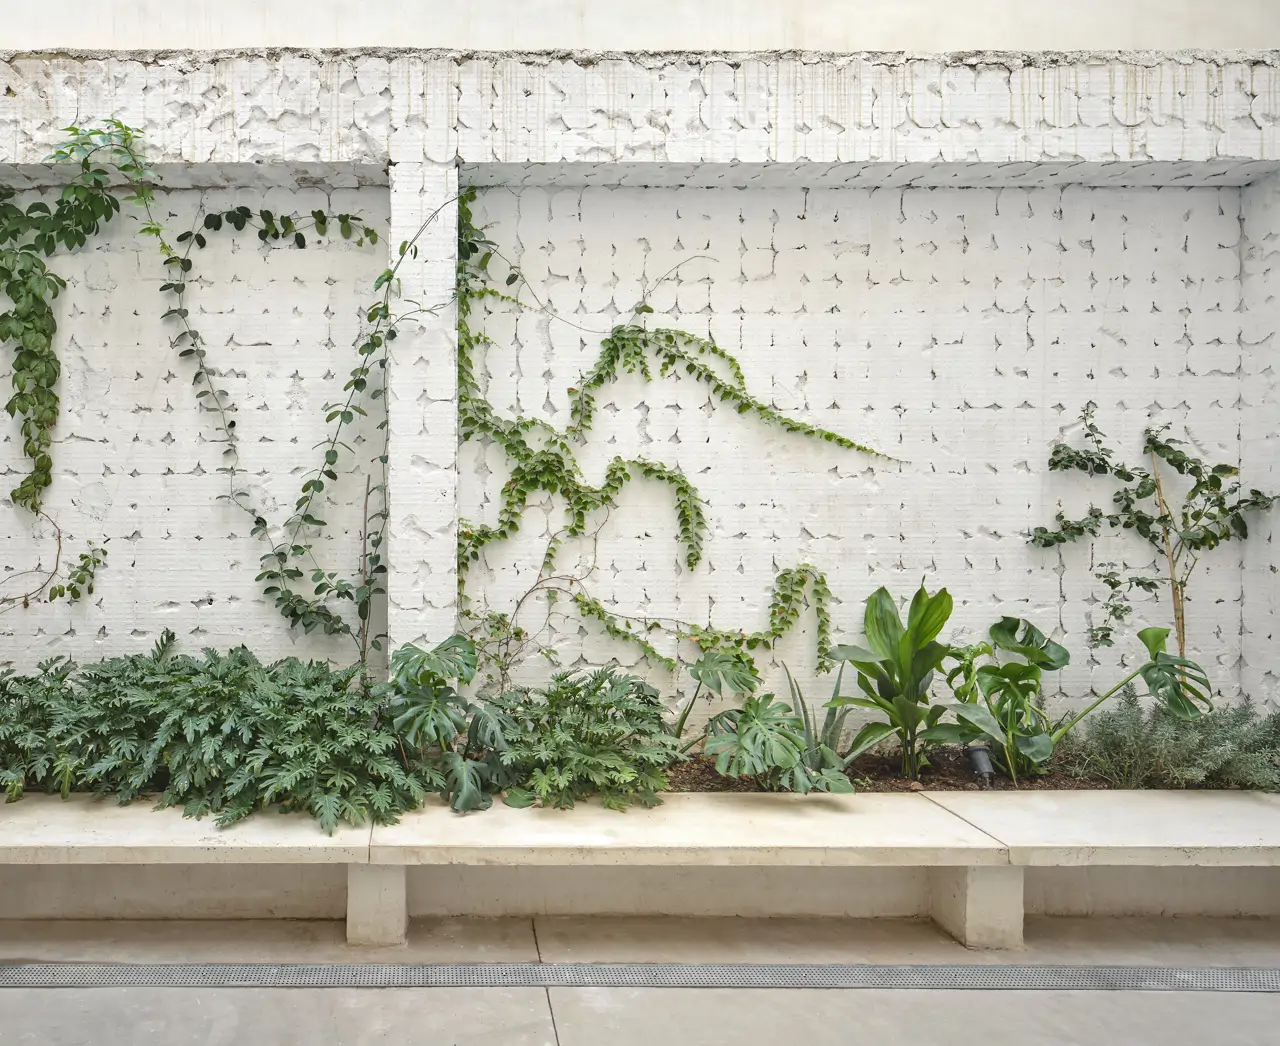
[(1177, 682), (455, 658), (1021, 637), (726, 670)]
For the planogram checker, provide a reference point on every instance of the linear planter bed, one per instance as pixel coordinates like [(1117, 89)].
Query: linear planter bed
[(973, 862)]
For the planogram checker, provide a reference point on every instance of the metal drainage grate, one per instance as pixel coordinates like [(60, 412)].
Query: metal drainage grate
[(637, 975)]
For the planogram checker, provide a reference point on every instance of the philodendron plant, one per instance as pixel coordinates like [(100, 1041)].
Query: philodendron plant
[(1001, 704), (720, 672), (895, 672)]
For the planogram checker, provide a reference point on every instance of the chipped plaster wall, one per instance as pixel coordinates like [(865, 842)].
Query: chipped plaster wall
[(137, 463), (986, 120), (1260, 431), (959, 330), (353, 107)]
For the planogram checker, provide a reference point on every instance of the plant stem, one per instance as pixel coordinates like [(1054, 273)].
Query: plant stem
[(1177, 587), (679, 727), (1068, 726), (364, 579)]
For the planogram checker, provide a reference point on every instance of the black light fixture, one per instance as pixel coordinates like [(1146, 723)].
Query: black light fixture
[(980, 760)]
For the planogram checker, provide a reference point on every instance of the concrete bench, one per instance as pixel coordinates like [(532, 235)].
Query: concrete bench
[(971, 851), (970, 880), (41, 831)]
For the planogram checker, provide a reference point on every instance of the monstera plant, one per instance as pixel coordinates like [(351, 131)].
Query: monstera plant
[(1001, 703)]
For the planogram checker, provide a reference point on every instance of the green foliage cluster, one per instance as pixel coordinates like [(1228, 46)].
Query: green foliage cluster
[(1002, 704), (999, 703), (1131, 747), (587, 733), (225, 735), (542, 458), (895, 674), (779, 744), (1211, 512), (27, 237), (29, 325), (465, 739), (220, 734)]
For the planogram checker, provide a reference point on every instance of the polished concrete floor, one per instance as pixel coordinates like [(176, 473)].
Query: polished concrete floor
[(621, 1017)]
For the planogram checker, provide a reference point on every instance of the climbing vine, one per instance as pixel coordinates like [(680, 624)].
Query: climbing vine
[(83, 206), (542, 459)]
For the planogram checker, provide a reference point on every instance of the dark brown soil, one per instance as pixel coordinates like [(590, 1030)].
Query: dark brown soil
[(948, 771), (698, 774)]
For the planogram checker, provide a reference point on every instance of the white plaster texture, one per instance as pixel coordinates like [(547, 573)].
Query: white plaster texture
[(897, 122), (365, 107), (136, 461), (422, 408), (1260, 431), (960, 331)]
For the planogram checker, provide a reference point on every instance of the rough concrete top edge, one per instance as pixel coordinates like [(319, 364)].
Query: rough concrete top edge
[(652, 59)]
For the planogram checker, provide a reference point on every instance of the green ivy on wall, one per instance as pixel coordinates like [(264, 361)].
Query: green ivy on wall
[(542, 459)]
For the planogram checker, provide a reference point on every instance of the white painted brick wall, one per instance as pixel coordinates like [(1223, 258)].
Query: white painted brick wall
[(959, 330), (135, 459)]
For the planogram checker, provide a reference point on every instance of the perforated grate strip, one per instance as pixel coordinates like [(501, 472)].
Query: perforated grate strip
[(637, 975)]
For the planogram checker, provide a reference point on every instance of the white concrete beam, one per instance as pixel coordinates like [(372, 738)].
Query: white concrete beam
[(422, 587)]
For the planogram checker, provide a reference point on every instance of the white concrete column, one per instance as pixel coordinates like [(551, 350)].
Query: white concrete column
[(377, 906), (422, 586), (1260, 436), (980, 907)]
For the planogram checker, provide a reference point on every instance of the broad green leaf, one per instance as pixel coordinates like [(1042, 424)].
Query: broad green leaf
[(464, 783), (1036, 747), (455, 658), (860, 702), (851, 652), (981, 720), (724, 670), (950, 734), (1180, 685), (867, 738), (882, 624), (833, 781), (1019, 636), (520, 798), (1154, 640), (928, 616)]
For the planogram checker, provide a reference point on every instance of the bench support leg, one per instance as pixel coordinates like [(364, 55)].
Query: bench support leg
[(980, 907), (377, 907)]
